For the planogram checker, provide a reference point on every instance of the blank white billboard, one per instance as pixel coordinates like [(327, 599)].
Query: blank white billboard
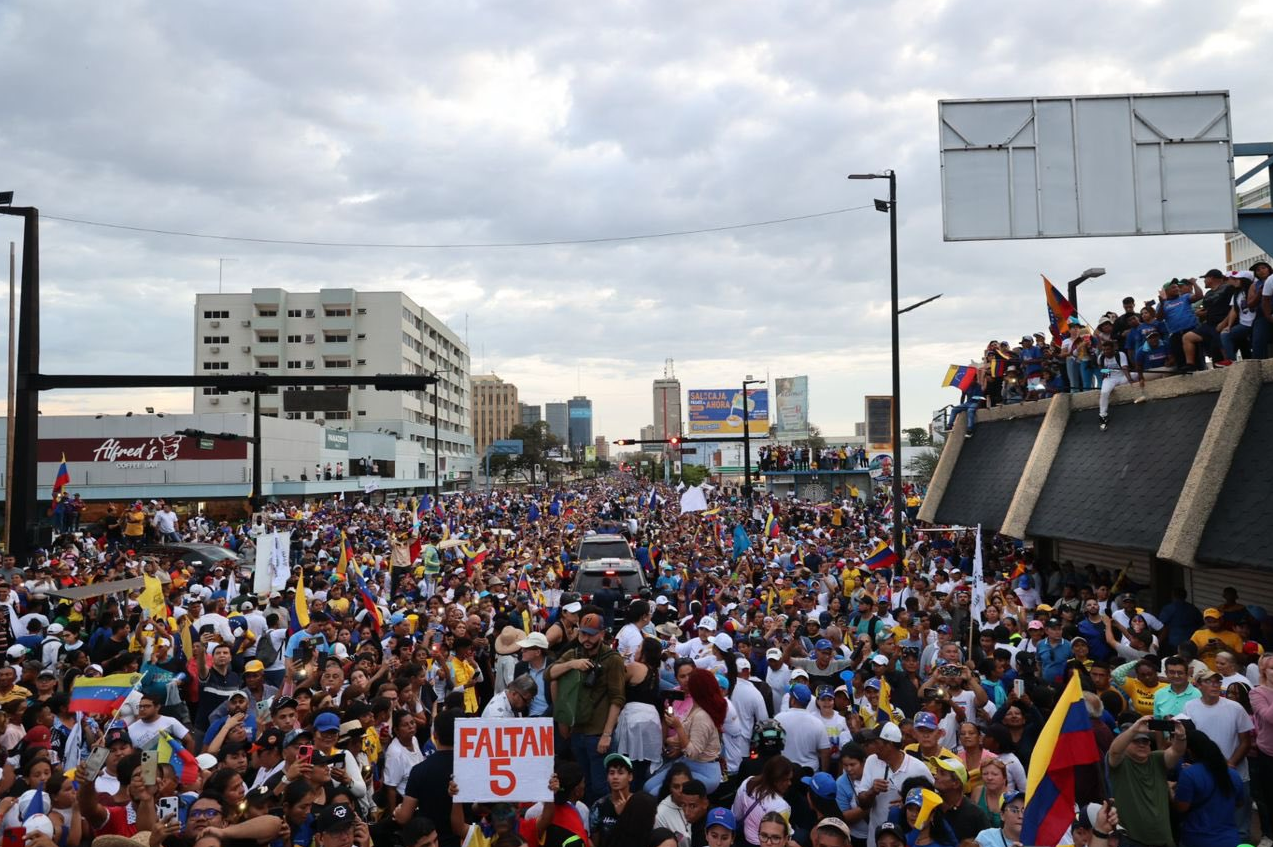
[(1067, 167)]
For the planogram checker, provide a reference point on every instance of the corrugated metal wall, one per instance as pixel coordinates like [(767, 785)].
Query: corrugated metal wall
[(1114, 558), (1255, 588)]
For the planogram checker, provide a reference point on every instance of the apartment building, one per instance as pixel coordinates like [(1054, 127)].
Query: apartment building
[(495, 410)]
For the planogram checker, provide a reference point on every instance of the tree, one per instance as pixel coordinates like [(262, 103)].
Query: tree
[(918, 436), (693, 474), (536, 442), (924, 464)]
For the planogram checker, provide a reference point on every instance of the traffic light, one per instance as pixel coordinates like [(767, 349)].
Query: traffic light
[(624, 442), (674, 440)]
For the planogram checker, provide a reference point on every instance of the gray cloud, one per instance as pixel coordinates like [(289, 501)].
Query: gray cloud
[(510, 121)]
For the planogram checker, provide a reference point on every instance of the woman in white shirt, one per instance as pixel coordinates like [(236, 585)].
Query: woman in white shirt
[(402, 754), (761, 795)]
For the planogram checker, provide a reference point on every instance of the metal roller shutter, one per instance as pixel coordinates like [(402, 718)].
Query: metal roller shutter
[(1103, 556), (1255, 588)]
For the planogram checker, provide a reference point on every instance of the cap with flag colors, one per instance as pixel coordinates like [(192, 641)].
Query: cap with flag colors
[(1066, 742), (1060, 311), (172, 752), (102, 695), (881, 557), (960, 376)]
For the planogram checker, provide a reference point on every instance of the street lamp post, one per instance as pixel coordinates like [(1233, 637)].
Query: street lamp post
[(1074, 284), (747, 438), (896, 433), (23, 436)]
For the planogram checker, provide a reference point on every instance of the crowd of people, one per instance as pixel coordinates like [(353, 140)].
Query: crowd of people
[(767, 687), (782, 457), (1220, 317)]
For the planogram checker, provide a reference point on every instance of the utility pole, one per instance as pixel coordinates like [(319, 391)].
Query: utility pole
[(8, 459)]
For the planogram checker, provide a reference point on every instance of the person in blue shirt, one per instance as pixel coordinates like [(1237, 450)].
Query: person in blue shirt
[(1153, 355), (1208, 792), (971, 402), (1031, 357), (1180, 618), (1175, 307), (1054, 653)]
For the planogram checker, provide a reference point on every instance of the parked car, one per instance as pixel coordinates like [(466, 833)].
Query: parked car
[(202, 559)]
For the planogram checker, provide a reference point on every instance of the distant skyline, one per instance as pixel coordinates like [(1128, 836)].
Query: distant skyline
[(498, 123)]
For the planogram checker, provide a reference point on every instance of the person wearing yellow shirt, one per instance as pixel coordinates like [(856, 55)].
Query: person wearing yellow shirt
[(134, 523), (1213, 638), (1142, 687)]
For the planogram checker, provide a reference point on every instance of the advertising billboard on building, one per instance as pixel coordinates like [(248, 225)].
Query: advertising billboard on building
[(879, 421), (719, 411), (791, 406)]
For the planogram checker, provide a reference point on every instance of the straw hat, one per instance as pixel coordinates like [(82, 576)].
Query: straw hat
[(506, 641)]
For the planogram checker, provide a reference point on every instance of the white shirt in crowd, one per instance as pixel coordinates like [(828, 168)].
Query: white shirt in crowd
[(875, 768), (1222, 722), (143, 733), (806, 736)]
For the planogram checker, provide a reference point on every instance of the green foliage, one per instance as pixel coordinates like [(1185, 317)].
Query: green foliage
[(918, 436), (924, 464), (693, 474)]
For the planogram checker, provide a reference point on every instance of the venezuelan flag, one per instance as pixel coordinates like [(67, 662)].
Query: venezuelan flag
[(1065, 743), (173, 753), (368, 602), (299, 612), (771, 526), (62, 479), (423, 508), (1059, 311), (102, 695), (345, 556), (998, 361), (882, 556), (960, 376)]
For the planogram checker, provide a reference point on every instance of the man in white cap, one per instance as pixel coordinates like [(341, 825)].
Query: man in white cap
[(778, 677), (883, 775), (747, 699), (702, 646), (534, 662)]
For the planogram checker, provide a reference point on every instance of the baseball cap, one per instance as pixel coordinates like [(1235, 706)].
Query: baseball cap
[(1206, 674), (836, 824), (327, 722), (889, 828), (1214, 273), (925, 720), (954, 766), (891, 732), (707, 623), (1011, 796), (725, 818), (873, 684), (535, 639), (825, 691), (254, 666), (38, 736), (337, 818), (800, 673), (592, 624), (574, 608), (1034, 625), (823, 644), (1212, 613), (618, 759), (801, 692), (271, 739), (281, 703), (722, 641), (206, 761), (116, 735), (822, 784), (774, 653)]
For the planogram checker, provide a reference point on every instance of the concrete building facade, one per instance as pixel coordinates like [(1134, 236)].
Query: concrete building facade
[(495, 410), (667, 408), (345, 333), (603, 448)]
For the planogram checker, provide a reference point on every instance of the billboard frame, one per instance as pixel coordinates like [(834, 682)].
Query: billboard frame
[(1002, 177)]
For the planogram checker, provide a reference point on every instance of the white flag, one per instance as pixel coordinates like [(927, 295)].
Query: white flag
[(272, 563), (74, 741), (693, 500), (978, 582)]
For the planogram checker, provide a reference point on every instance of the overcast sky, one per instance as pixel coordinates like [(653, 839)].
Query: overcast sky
[(470, 122)]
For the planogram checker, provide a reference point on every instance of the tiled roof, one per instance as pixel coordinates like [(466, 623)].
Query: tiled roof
[(1237, 532), (986, 476), (1120, 487)]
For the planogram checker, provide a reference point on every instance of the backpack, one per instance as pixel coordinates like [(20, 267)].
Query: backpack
[(266, 650)]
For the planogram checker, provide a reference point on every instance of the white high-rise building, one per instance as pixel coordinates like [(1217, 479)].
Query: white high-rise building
[(1240, 251), (343, 332)]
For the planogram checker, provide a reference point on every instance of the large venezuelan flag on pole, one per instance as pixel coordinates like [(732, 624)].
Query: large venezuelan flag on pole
[(1060, 311), (62, 479), (1065, 743)]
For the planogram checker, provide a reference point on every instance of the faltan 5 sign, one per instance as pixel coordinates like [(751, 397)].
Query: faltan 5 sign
[(158, 448)]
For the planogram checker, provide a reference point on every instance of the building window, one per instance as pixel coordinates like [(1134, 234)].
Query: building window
[(335, 339), (216, 339), (337, 416), (361, 413), (336, 363), (272, 338), (215, 315), (293, 339), (335, 313), (362, 311), (267, 313), (216, 366), (293, 313), (294, 364), (209, 391), (267, 363)]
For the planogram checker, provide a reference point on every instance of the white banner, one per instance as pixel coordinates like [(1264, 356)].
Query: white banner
[(504, 761), (273, 562), (978, 604), (367, 488), (693, 500)]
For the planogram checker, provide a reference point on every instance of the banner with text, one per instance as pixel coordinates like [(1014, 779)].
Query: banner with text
[(719, 411), (506, 761), (792, 406)]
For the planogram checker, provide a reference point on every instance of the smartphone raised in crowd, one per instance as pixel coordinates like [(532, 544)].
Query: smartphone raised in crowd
[(1018, 687), (93, 765), (305, 753), (149, 766), (168, 807)]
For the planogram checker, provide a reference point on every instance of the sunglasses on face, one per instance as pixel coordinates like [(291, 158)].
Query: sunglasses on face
[(203, 813)]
